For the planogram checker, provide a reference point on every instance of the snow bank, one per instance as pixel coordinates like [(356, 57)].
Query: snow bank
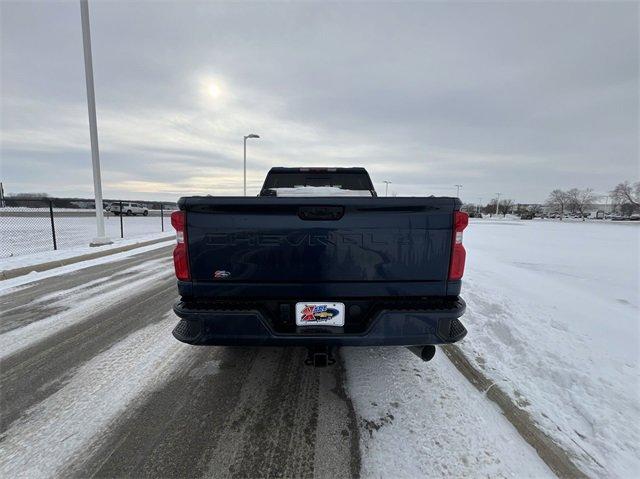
[(553, 317)]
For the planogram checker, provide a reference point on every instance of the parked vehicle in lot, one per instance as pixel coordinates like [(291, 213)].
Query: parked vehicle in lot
[(128, 209), (527, 216), (318, 260)]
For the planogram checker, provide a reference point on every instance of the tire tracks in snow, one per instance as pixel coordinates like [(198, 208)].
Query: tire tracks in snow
[(80, 309), (236, 412), (17, 315), (40, 370), (23, 293), (68, 422), (41, 365)]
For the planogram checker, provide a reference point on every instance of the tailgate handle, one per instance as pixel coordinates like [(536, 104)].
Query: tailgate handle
[(316, 213)]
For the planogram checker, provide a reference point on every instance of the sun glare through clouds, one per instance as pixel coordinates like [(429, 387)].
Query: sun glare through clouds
[(214, 91)]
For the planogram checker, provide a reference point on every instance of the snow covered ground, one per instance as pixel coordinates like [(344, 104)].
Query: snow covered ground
[(28, 235), (54, 433), (426, 420), (9, 284), (553, 317), (83, 304), (12, 262)]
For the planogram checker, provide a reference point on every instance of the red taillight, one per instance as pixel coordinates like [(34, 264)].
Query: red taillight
[(180, 256), (458, 254)]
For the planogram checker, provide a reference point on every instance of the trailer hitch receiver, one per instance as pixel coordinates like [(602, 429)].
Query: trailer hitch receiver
[(319, 357)]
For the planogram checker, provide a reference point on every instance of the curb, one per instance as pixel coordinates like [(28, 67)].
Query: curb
[(14, 273)]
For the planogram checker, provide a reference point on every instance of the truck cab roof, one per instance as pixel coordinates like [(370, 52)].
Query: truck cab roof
[(287, 169), (354, 179)]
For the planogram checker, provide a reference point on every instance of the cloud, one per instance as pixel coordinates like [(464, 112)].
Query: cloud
[(517, 98)]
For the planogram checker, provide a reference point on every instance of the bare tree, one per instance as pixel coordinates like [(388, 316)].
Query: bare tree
[(582, 201), (505, 206), (626, 196), (572, 203), (469, 207), (490, 208), (558, 200), (535, 209)]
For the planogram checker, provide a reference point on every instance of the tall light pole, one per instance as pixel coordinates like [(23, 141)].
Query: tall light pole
[(101, 238), (458, 190), (245, 159), (386, 187), (497, 202), (479, 204)]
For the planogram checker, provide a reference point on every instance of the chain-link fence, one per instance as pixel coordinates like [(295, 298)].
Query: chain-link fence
[(38, 225)]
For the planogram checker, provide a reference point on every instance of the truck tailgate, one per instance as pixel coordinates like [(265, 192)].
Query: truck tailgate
[(315, 240)]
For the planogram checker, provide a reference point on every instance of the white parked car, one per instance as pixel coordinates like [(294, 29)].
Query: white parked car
[(128, 209)]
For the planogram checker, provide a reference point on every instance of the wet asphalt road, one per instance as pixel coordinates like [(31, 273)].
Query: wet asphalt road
[(186, 412)]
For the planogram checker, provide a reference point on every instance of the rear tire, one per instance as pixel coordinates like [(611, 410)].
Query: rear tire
[(129, 212), (145, 213)]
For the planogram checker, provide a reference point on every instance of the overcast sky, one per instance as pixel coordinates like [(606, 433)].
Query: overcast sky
[(511, 98)]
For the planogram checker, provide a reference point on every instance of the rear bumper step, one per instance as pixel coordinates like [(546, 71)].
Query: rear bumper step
[(250, 327)]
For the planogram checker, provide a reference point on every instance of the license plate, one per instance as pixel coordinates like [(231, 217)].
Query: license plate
[(320, 314)]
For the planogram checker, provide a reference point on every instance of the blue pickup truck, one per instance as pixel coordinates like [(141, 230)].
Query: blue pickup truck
[(319, 260)]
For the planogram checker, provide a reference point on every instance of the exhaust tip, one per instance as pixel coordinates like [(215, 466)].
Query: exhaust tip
[(426, 352)]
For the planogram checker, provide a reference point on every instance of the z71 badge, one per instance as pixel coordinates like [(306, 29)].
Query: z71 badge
[(315, 314)]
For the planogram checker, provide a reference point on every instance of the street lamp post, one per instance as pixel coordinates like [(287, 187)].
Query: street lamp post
[(386, 187), (497, 202), (245, 159), (101, 239), (458, 190)]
